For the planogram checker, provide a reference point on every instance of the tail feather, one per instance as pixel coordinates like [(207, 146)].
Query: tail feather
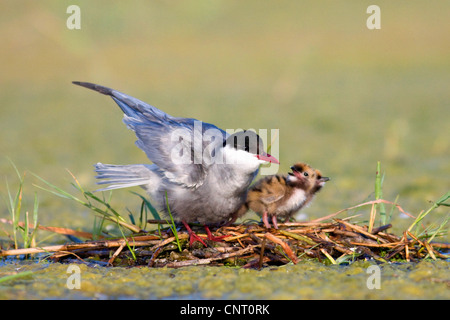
[(131, 106), (122, 176)]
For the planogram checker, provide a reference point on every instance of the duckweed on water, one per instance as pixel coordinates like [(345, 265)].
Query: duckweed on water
[(306, 280)]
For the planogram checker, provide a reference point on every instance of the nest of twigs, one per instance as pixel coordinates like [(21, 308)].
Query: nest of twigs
[(250, 246)]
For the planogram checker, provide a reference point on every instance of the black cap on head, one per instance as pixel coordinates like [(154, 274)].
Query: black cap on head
[(246, 140)]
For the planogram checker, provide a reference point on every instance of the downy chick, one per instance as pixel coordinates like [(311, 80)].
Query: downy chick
[(281, 196)]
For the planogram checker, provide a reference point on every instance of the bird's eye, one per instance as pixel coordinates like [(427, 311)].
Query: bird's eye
[(305, 174)]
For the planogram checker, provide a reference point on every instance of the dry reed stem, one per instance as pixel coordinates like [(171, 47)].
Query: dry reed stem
[(328, 256), (361, 230), (284, 245), (76, 246), (116, 253), (252, 245), (65, 231), (406, 247), (195, 262)]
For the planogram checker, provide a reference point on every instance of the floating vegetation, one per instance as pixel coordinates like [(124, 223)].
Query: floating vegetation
[(329, 239)]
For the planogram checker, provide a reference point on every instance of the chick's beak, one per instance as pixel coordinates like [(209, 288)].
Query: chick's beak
[(324, 179), (267, 157), (293, 171)]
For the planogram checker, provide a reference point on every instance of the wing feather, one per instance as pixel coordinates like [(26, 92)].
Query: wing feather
[(175, 145)]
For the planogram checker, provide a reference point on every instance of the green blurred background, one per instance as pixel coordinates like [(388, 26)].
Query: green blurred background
[(343, 96)]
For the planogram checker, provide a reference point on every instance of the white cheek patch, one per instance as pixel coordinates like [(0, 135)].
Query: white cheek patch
[(291, 178), (239, 157)]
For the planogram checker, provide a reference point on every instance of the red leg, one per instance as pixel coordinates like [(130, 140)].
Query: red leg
[(214, 238), (192, 236), (265, 220), (275, 222)]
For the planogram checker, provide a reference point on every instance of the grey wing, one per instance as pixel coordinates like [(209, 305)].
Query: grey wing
[(175, 145)]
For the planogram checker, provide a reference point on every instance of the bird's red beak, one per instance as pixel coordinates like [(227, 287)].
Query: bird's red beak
[(267, 157)]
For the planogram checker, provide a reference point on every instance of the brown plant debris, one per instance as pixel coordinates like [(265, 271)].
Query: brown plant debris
[(248, 245)]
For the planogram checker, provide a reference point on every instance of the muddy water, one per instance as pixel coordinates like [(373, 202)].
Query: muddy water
[(306, 280)]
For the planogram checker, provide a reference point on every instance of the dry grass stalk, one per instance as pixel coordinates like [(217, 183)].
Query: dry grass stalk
[(249, 245)]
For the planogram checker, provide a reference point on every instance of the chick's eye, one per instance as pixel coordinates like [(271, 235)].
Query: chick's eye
[(305, 174)]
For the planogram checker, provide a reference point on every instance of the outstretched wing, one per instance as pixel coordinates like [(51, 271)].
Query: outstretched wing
[(175, 145)]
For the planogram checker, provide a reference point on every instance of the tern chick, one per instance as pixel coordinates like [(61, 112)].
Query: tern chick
[(281, 196)]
